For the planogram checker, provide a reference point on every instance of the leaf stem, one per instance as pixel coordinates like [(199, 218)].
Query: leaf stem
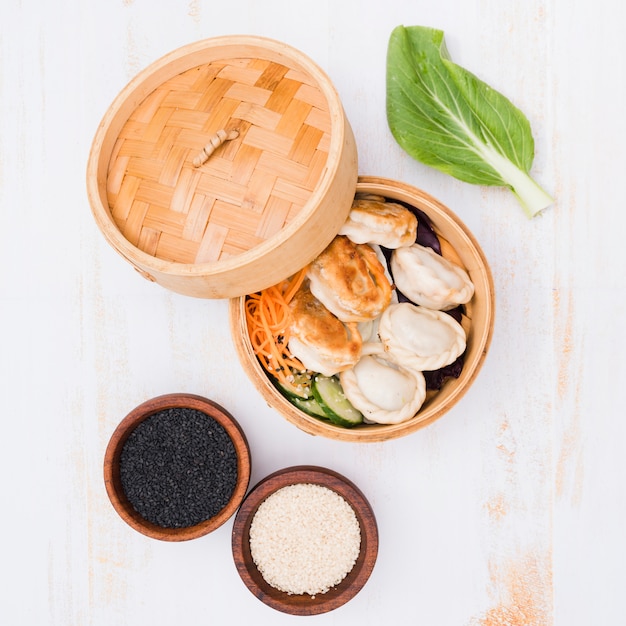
[(530, 195)]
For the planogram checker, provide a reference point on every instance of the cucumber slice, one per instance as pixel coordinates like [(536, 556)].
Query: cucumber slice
[(328, 392), (300, 388), (310, 406)]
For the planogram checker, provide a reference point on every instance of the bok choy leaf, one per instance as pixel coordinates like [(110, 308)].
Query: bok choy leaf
[(445, 117)]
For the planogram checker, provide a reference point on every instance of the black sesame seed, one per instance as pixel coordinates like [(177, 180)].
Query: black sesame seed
[(178, 468)]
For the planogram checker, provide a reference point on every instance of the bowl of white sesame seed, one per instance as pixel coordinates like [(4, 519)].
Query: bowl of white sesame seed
[(305, 540)]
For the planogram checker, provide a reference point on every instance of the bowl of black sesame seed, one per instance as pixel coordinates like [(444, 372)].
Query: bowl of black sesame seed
[(177, 467)]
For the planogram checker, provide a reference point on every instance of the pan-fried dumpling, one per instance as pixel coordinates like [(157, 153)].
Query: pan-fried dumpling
[(385, 223), (318, 339), (420, 338), (350, 281), (383, 391), (429, 279)]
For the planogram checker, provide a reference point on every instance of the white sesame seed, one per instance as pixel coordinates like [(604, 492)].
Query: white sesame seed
[(305, 538)]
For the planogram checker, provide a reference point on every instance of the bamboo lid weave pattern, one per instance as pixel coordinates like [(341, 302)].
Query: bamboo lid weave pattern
[(252, 185)]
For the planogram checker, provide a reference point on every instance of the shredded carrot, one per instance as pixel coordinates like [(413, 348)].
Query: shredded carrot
[(268, 318)]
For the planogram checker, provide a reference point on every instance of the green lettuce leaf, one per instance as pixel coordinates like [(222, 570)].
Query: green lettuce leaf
[(445, 117)]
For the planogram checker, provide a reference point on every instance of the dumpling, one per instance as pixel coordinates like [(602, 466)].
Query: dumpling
[(368, 329), (383, 391), (350, 281), (383, 261), (420, 338), (320, 341), (385, 223), (370, 337), (429, 279)]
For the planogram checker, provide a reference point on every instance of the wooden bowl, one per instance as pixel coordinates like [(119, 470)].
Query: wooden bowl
[(223, 167), (113, 480), (480, 311), (304, 604)]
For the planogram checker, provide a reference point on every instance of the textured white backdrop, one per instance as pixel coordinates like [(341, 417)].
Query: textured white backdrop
[(508, 511)]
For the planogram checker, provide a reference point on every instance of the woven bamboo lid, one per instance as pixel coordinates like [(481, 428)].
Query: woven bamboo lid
[(224, 167)]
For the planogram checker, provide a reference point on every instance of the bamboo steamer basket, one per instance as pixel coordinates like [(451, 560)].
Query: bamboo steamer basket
[(463, 249), (223, 167)]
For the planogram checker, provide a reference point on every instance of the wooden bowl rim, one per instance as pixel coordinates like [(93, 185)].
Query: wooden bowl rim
[(142, 412), (304, 604), (135, 91), (376, 433)]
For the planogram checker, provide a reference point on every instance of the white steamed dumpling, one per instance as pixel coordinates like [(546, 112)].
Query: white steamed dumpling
[(420, 338), (430, 280), (383, 391)]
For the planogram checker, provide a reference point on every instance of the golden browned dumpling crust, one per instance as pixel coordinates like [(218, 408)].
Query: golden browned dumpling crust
[(350, 281), (318, 339), (385, 223)]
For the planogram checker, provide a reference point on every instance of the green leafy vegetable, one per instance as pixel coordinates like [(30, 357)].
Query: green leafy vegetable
[(445, 117)]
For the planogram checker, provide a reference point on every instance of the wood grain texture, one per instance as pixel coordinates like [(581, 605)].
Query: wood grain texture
[(510, 510)]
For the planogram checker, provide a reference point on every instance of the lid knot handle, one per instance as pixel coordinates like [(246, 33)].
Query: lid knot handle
[(215, 142)]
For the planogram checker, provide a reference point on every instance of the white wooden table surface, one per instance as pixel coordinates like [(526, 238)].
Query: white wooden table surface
[(511, 510)]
